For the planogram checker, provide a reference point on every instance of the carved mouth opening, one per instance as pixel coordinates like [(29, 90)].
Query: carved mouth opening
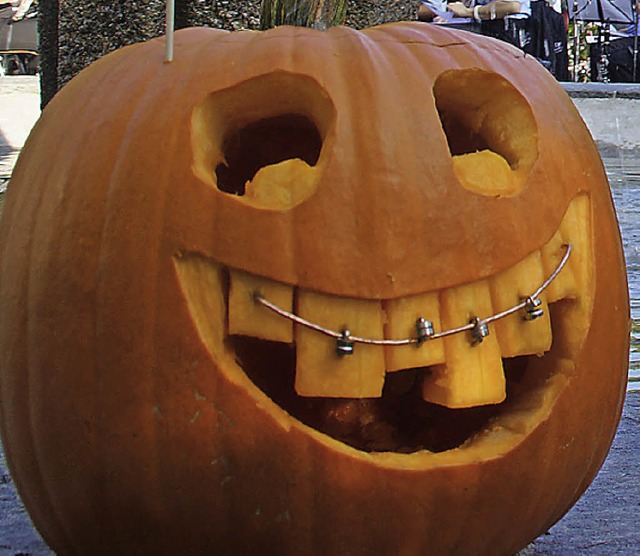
[(412, 398), (398, 421)]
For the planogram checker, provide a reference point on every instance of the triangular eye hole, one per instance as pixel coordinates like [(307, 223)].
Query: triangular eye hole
[(490, 128), (263, 141)]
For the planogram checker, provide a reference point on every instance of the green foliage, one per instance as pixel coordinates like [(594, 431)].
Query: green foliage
[(317, 14), (581, 34)]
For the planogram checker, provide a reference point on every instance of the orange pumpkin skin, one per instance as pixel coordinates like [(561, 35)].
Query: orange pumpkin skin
[(125, 433)]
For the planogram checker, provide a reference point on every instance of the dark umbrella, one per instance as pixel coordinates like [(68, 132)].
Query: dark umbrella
[(604, 11), (608, 11)]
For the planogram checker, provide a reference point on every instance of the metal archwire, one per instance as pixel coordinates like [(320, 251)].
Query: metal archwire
[(478, 327)]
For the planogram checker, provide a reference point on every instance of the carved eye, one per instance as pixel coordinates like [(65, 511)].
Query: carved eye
[(490, 128), (262, 140)]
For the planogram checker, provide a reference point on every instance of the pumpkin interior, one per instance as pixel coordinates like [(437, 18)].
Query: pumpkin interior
[(398, 421), (259, 144)]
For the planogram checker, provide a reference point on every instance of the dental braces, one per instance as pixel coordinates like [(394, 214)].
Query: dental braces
[(477, 327)]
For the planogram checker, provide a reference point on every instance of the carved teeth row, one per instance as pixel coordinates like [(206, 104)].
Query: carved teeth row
[(460, 374)]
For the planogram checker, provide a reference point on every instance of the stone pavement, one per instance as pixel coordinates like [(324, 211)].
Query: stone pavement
[(19, 109)]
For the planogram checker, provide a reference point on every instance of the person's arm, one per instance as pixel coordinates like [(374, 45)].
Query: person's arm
[(22, 9), (425, 13), (497, 9)]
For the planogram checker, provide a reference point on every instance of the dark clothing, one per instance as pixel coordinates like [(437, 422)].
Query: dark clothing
[(620, 55), (549, 43), (514, 31), (543, 35), (614, 61)]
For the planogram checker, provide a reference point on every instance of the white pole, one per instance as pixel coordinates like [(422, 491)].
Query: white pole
[(169, 25)]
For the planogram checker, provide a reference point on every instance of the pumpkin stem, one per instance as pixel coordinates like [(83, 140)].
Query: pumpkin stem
[(317, 14)]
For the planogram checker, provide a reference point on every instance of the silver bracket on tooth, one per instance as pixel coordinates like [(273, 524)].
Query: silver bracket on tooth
[(344, 344), (479, 331), (532, 309), (424, 330)]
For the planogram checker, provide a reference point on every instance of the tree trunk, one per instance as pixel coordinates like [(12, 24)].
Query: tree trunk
[(318, 14), (48, 48)]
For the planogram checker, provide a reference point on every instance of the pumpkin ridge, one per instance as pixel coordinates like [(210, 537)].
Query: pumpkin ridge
[(45, 497), (123, 201)]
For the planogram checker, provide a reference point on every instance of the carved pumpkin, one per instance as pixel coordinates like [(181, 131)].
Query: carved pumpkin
[(151, 403)]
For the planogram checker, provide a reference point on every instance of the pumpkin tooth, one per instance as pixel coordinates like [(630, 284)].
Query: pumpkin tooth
[(401, 316), (564, 285), (202, 283), (248, 318), (576, 230), (517, 336), (473, 373), (320, 371)]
